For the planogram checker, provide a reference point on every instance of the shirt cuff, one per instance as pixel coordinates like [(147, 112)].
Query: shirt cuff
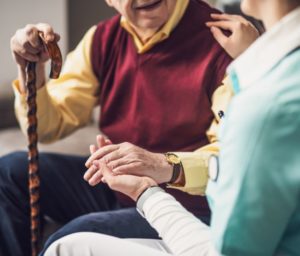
[(195, 167)]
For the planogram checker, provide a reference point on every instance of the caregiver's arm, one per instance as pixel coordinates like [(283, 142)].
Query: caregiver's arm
[(183, 233)]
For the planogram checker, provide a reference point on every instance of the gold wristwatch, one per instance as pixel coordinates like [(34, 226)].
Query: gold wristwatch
[(174, 160)]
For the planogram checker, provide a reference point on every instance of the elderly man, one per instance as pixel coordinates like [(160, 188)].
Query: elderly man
[(155, 69)]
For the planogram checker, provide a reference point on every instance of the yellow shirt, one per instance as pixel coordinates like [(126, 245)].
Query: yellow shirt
[(66, 104)]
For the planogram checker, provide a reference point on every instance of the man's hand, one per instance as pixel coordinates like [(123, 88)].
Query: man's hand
[(27, 46), (243, 33), (129, 185), (126, 158)]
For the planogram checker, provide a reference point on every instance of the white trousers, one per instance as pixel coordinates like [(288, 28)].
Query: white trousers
[(93, 244)]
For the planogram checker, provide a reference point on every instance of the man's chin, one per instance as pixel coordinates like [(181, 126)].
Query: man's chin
[(151, 25)]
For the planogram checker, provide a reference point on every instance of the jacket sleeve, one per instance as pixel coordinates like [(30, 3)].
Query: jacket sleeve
[(195, 164)]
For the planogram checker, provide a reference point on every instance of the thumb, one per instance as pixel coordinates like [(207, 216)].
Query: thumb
[(108, 175), (219, 36)]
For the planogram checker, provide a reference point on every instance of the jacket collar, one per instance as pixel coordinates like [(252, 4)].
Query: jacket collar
[(266, 52)]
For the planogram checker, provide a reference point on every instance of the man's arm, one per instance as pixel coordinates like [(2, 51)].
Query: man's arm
[(126, 158), (195, 166), (64, 104)]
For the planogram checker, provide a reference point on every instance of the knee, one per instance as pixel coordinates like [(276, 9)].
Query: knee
[(80, 224), (70, 245), (13, 168), (60, 247)]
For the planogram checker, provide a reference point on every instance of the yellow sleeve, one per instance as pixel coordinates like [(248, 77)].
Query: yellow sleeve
[(195, 164), (65, 104)]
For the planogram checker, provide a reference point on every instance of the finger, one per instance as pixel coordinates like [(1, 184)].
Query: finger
[(229, 17), (57, 37), (108, 176), (240, 19), (219, 36), (26, 40), (100, 141), (108, 142), (27, 56), (115, 155), (116, 163), (90, 172), (126, 169), (226, 25), (31, 36), (93, 149), (100, 153), (221, 16), (96, 178), (47, 31)]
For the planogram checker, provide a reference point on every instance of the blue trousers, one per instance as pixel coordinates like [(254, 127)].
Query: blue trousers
[(66, 198)]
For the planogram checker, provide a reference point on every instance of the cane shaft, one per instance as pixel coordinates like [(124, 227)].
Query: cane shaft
[(34, 181), (33, 170)]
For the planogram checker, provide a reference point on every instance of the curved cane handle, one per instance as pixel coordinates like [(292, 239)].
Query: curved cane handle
[(55, 56)]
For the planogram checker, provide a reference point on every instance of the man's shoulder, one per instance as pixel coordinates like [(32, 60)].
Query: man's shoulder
[(110, 23), (203, 9), (108, 32)]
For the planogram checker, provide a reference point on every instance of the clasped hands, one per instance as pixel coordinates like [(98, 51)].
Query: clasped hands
[(125, 167)]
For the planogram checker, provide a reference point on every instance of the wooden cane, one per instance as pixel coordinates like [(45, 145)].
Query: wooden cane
[(34, 178)]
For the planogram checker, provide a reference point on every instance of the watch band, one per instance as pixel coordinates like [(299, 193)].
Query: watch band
[(175, 174), (176, 164), (144, 196)]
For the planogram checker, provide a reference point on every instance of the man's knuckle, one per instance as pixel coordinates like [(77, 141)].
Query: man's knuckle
[(22, 51), (29, 29), (126, 145)]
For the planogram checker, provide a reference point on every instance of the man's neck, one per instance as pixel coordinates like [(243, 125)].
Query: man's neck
[(145, 34)]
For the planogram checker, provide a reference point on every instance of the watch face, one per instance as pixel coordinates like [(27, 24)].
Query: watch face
[(173, 159), (213, 167)]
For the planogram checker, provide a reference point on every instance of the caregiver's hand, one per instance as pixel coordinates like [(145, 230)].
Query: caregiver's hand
[(129, 185), (243, 33)]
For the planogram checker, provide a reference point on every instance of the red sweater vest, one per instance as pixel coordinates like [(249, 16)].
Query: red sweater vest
[(160, 100)]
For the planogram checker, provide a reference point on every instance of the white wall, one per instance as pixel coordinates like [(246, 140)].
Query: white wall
[(16, 14)]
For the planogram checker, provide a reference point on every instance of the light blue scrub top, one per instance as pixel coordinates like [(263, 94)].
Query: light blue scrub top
[(256, 198)]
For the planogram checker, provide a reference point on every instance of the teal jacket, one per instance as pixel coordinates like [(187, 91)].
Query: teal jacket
[(255, 199)]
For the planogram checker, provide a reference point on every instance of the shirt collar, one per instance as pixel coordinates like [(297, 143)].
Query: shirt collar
[(266, 52), (163, 33)]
